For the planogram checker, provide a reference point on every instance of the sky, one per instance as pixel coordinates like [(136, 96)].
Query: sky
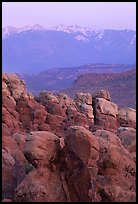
[(96, 15)]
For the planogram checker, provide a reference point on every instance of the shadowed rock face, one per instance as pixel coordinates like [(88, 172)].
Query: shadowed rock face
[(53, 150)]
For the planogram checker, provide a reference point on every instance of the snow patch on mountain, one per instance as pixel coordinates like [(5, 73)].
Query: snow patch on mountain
[(100, 35), (81, 38), (6, 31)]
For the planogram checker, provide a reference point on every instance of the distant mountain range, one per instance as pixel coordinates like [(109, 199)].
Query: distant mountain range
[(33, 49)]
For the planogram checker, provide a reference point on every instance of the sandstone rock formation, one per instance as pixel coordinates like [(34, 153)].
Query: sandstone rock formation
[(127, 117), (55, 149), (105, 113), (84, 104), (102, 94)]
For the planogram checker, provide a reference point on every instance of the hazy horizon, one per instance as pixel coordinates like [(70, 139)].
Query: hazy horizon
[(95, 15)]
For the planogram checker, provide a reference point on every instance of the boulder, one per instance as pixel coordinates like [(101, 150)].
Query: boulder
[(116, 174), (45, 96), (81, 141), (25, 114), (15, 85), (8, 179), (127, 117), (8, 102), (32, 115), (11, 146), (106, 107), (75, 118), (41, 148), (12, 173), (127, 136), (105, 113), (20, 139), (41, 185), (11, 120), (102, 94), (84, 98), (56, 124), (109, 137), (65, 100), (84, 104), (55, 109), (85, 109), (81, 152)]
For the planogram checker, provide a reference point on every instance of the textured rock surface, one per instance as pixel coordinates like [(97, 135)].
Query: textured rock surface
[(102, 94), (59, 150), (41, 148), (105, 113), (127, 117), (14, 85), (84, 104), (84, 98), (81, 153), (41, 185), (116, 174), (127, 136)]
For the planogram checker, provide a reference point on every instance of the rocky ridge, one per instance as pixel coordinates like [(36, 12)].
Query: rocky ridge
[(55, 149)]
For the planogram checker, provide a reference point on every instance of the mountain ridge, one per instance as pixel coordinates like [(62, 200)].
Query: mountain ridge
[(36, 49)]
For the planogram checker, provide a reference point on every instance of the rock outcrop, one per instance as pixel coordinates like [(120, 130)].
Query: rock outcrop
[(127, 117), (84, 104), (55, 149), (106, 113), (102, 94)]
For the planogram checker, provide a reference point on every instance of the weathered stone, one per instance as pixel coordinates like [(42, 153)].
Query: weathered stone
[(127, 117), (41, 148), (65, 100), (127, 136), (56, 124), (20, 140), (108, 136), (84, 98), (102, 94), (106, 107), (116, 174), (105, 113), (76, 166), (75, 118), (41, 185), (47, 96), (12, 174), (15, 85), (85, 109), (81, 151), (81, 141)]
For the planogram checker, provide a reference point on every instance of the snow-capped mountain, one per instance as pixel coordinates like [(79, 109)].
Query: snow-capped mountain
[(6, 31), (74, 29), (62, 28), (36, 48)]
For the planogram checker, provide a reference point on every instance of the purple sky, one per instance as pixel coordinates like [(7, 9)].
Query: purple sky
[(96, 15)]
